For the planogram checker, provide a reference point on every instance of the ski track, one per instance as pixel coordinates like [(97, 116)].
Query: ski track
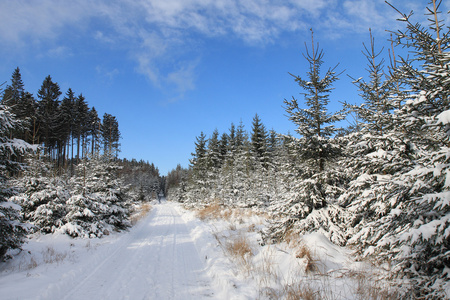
[(156, 260)]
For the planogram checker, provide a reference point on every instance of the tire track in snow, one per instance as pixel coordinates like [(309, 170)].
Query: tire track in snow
[(156, 260)]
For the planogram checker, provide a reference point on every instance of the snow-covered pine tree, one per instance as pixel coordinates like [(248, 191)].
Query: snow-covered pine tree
[(197, 191), (176, 182), (213, 165), (407, 220), (12, 230), (232, 171), (311, 204), (42, 195), (97, 205), (259, 154), (376, 151)]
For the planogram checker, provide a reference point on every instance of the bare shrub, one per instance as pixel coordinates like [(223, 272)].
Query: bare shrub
[(50, 255), (368, 287), (31, 264)]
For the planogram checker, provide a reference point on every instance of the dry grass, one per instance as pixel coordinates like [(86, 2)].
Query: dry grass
[(369, 287), (239, 247), (214, 211), (302, 291), (50, 255), (301, 251), (142, 211)]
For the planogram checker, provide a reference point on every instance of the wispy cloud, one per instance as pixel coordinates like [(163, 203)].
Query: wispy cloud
[(155, 33), (60, 51), (106, 73)]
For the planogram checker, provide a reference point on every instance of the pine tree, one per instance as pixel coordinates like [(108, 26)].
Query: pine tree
[(401, 199), (94, 129), (67, 122), (48, 111), (12, 230), (314, 122), (97, 205), (14, 92), (80, 128), (376, 111), (259, 141), (310, 201), (110, 134), (199, 166), (42, 196), (22, 105)]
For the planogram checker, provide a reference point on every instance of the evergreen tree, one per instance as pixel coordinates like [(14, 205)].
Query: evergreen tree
[(12, 230), (14, 92), (314, 122), (48, 111), (42, 196), (376, 110), (94, 129), (110, 134), (310, 202), (67, 123), (81, 124), (22, 105), (97, 205), (259, 141), (407, 215), (199, 166)]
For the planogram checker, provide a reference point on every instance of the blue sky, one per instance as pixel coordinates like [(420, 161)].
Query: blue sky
[(169, 69)]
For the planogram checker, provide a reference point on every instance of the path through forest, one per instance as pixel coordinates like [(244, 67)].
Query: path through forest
[(157, 259)]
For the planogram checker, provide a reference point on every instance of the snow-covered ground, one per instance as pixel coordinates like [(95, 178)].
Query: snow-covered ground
[(171, 254)]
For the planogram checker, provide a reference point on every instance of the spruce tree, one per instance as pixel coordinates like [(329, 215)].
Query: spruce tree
[(42, 196), (110, 134), (12, 230), (81, 109), (314, 123), (259, 141), (310, 203), (97, 205), (198, 190), (14, 92), (48, 111)]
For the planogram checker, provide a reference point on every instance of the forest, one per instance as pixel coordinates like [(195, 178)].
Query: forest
[(379, 186), (60, 167)]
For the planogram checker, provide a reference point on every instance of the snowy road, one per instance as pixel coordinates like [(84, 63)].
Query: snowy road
[(157, 259), (161, 263)]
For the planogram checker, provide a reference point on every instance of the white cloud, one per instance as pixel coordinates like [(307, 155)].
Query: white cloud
[(21, 21), (155, 33), (60, 51), (184, 77), (106, 73)]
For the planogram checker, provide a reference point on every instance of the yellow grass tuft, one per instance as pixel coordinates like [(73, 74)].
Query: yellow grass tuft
[(142, 211), (214, 211)]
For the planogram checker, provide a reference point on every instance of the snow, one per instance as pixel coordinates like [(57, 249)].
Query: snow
[(171, 254), (444, 117)]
